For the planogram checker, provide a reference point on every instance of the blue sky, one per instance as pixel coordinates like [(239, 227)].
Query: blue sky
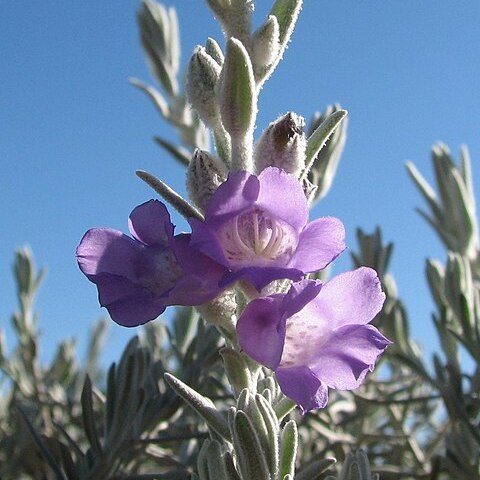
[(73, 131)]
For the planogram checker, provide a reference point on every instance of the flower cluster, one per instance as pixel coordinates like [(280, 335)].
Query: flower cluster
[(255, 230)]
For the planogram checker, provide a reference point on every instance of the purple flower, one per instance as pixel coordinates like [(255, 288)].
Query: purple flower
[(257, 228), (317, 335), (137, 278)]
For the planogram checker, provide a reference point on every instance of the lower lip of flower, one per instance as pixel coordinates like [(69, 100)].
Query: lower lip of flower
[(256, 237)]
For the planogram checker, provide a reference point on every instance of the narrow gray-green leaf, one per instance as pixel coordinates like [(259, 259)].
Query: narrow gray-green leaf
[(237, 99), (466, 165), (283, 407), (154, 95), (250, 456), (288, 451), (273, 430), (41, 445), (214, 50), (88, 416), (202, 405), (215, 461), (315, 469), (425, 189), (111, 399), (237, 90), (170, 195), (319, 137), (179, 153), (236, 369), (286, 12)]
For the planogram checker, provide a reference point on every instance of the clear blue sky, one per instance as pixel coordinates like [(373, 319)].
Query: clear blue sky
[(73, 131)]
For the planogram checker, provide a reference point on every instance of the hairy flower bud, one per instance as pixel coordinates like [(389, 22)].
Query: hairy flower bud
[(221, 310), (213, 49), (236, 93), (203, 74), (237, 100), (205, 173), (266, 44), (282, 145)]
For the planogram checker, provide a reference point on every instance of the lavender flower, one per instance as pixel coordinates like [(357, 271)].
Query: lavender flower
[(257, 228), (137, 278), (317, 336)]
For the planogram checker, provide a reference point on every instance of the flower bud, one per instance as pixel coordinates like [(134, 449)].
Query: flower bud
[(266, 44), (213, 49), (237, 370), (205, 173), (203, 74), (220, 310), (282, 145), (236, 90), (215, 461)]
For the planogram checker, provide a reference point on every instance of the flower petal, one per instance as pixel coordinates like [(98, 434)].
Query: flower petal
[(276, 184), (127, 303), (303, 387), (150, 223), (104, 250), (299, 295), (201, 275), (204, 240), (348, 355), (235, 195), (320, 242), (114, 261), (350, 298), (261, 330)]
